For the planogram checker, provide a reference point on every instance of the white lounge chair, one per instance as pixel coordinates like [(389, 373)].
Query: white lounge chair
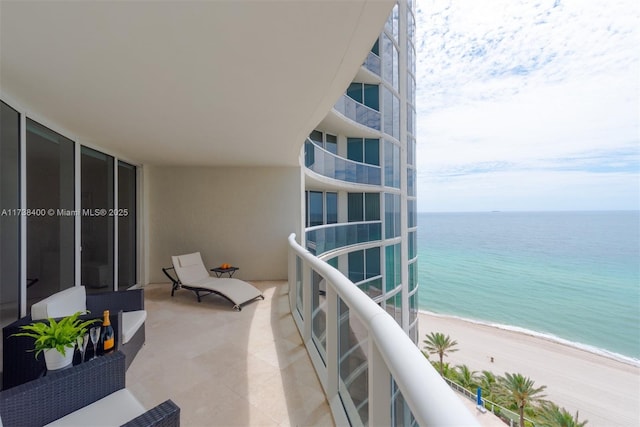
[(193, 275)]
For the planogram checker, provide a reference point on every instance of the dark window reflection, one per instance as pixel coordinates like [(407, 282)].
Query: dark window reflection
[(126, 225), (9, 223), (97, 223), (51, 194)]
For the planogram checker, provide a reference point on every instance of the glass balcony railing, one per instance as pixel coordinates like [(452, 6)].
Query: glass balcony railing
[(358, 112), (367, 364), (372, 63), (332, 166), (325, 238)]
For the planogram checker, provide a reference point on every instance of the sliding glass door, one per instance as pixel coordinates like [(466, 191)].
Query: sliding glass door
[(9, 218), (50, 204), (97, 225), (64, 219), (126, 215)]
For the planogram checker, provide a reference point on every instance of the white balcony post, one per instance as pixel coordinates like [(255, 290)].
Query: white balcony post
[(332, 335), (307, 280), (293, 279), (379, 388)]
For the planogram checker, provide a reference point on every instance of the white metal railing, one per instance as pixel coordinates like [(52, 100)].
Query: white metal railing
[(389, 351), (493, 407)]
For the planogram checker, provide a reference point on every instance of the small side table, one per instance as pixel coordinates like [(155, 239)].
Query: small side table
[(220, 271)]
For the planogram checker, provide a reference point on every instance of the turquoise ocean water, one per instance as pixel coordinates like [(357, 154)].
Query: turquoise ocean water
[(573, 276)]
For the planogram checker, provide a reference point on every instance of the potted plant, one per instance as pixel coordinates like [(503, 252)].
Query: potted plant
[(56, 339)]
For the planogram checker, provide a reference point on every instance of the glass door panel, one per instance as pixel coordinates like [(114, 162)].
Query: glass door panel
[(51, 226), (126, 225), (97, 225), (9, 220)]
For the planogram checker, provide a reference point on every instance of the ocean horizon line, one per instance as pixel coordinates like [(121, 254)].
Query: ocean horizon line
[(629, 360)]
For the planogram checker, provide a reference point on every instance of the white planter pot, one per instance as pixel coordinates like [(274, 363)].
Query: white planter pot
[(55, 360)]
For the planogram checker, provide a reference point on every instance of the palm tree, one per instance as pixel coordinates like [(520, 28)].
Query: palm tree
[(520, 390), (554, 416), (487, 382), (447, 371), (438, 343), (466, 377)]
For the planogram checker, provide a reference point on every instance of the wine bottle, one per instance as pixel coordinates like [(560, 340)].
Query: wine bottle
[(108, 337)]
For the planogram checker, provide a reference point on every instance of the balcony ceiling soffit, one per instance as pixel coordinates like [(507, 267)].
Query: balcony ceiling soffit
[(185, 83)]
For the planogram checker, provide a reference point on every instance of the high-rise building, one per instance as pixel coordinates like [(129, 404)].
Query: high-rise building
[(360, 192)]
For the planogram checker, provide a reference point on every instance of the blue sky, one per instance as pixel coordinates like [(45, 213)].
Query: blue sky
[(528, 105)]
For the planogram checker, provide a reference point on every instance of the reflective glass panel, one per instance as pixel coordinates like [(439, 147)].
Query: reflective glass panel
[(355, 206), (97, 225), (353, 366), (50, 237), (356, 266), (315, 208), (9, 219), (332, 208), (372, 151), (127, 240)]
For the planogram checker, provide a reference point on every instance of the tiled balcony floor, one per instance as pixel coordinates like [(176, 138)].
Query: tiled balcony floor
[(227, 368)]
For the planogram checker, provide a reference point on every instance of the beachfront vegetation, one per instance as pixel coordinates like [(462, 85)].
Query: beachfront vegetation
[(512, 391), (440, 344), (466, 377), (554, 416), (520, 390)]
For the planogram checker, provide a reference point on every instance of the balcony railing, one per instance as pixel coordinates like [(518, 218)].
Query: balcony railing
[(372, 63), (370, 370), (332, 166), (325, 238), (358, 112)]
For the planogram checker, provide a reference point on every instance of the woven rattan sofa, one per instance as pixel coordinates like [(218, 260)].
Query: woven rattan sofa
[(92, 393), (127, 316)]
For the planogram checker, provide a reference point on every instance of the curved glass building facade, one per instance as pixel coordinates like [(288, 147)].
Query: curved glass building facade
[(360, 202), (360, 174)]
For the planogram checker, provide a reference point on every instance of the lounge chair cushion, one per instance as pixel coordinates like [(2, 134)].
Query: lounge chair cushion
[(236, 290), (131, 322), (113, 410), (61, 304), (190, 268)]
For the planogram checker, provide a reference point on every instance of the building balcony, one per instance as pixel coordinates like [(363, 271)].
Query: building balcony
[(373, 63), (222, 367), (325, 238), (330, 165), (370, 370), (292, 359), (357, 112)]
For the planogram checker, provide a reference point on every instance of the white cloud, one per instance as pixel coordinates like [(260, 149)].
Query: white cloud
[(530, 90)]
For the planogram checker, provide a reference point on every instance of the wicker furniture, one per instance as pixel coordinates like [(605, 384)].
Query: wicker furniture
[(20, 365), (63, 392)]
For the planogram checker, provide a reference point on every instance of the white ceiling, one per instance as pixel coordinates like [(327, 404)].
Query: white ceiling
[(185, 82)]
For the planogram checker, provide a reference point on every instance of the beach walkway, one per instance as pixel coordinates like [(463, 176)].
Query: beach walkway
[(486, 419)]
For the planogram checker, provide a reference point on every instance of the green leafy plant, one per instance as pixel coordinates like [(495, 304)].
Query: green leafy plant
[(56, 334)]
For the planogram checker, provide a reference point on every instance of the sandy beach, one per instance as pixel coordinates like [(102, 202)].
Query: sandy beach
[(605, 391)]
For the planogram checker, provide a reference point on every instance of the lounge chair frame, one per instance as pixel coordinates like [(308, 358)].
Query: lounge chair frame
[(201, 292)]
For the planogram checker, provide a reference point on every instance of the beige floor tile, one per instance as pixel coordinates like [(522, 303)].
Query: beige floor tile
[(227, 368)]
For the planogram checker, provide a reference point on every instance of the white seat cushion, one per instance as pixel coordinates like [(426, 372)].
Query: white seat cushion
[(236, 290), (131, 322), (112, 410), (61, 304), (190, 267)]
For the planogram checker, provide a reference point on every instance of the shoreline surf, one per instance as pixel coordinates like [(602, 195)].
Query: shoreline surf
[(542, 335)]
